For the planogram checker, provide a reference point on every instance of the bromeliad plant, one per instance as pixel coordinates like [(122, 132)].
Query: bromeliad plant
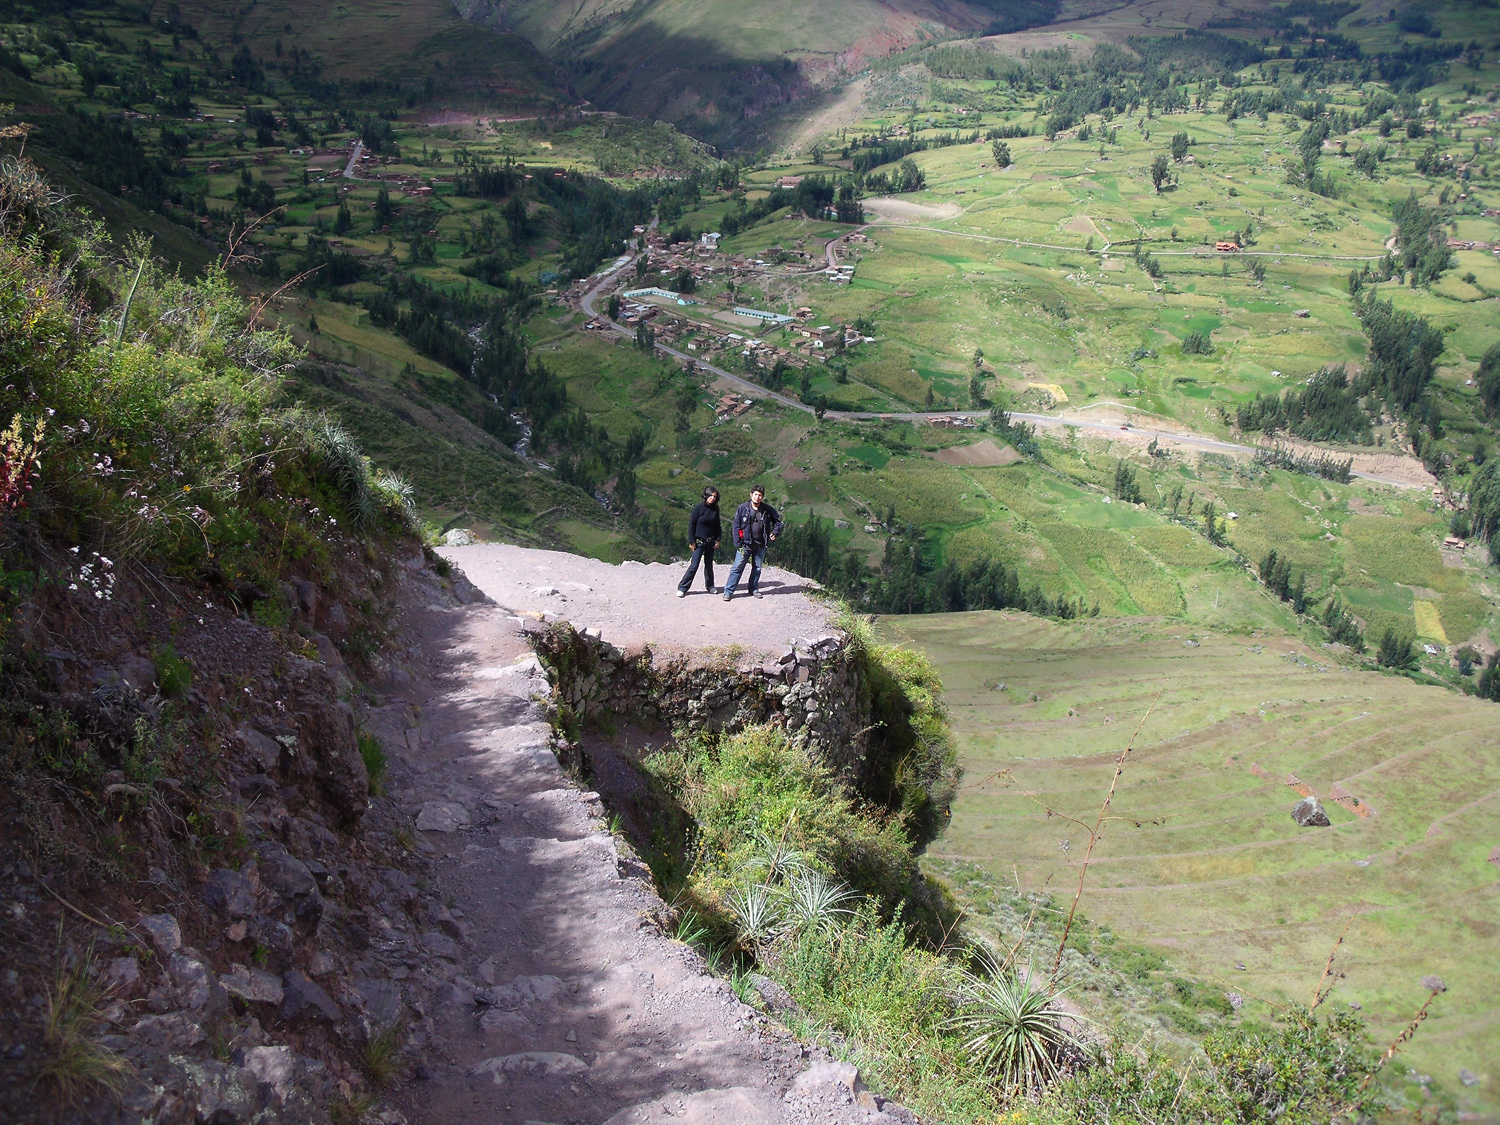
[(1014, 1028)]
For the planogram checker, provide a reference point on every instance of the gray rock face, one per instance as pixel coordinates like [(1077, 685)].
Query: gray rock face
[(261, 749), (175, 1031), (305, 1001), (193, 983), (325, 736), (229, 892), (1309, 813)]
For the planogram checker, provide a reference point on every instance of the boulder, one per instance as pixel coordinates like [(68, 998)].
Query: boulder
[(1309, 813), (229, 892), (122, 977), (164, 933), (175, 1031), (442, 816), (326, 740), (290, 878), (254, 986), (304, 1000), (194, 984), (440, 945), (778, 1000), (259, 748)]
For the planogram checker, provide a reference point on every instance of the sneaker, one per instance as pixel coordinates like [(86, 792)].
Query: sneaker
[(682, 593), (715, 589), (758, 594), (728, 596)]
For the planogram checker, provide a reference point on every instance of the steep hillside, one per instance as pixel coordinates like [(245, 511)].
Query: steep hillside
[(420, 47), (715, 69)]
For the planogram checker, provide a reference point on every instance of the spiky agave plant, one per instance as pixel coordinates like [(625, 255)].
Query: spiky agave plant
[(810, 901), (1013, 1027), (777, 860), (339, 455), (757, 913)]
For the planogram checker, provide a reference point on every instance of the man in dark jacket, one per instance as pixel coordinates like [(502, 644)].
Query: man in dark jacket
[(704, 532), (756, 526)]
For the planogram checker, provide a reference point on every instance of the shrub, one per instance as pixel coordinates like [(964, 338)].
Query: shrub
[(1305, 1071), (173, 674), (1197, 343)]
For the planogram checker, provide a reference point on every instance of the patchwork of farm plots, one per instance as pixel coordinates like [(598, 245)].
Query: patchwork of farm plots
[(1218, 877)]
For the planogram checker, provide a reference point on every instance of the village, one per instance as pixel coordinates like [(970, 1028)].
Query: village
[(703, 311)]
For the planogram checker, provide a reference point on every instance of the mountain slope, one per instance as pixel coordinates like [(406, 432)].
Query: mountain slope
[(422, 45), (714, 67)]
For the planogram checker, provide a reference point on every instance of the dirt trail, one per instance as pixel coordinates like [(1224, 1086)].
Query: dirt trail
[(564, 1002)]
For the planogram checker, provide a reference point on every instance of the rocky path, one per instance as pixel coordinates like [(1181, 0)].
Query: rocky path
[(564, 1002)]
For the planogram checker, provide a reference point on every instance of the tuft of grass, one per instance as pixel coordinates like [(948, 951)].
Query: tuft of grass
[(376, 761), (174, 675), (381, 1060), (76, 1065)]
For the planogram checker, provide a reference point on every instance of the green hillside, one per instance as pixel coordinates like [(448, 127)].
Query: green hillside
[(717, 69), (1204, 863)]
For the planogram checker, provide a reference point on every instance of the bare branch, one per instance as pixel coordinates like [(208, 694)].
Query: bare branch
[(1094, 835)]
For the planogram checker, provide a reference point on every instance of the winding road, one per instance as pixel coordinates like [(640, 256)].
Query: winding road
[(1050, 421)]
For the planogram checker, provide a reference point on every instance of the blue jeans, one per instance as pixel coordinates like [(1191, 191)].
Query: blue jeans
[(704, 553), (757, 559)]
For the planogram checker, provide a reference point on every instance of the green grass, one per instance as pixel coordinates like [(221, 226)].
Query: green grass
[(1217, 873)]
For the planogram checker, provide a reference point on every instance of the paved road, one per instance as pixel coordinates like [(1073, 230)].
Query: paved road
[(359, 147), (755, 390)]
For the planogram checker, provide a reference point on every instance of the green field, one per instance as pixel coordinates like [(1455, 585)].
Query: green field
[(1218, 874)]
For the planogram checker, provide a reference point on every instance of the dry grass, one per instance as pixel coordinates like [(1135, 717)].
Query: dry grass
[(76, 1065)]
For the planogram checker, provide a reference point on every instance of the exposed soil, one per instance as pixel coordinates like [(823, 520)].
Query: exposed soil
[(981, 455), (904, 210)]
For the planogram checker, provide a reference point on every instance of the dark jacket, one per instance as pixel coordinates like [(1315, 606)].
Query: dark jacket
[(704, 525), (755, 529)]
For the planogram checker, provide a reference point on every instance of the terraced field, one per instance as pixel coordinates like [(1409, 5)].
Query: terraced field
[(1219, 875)]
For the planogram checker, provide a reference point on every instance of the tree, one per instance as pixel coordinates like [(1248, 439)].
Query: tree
[(645, 339), (1179, 147), (1396, 651), (613, 306), (1161, 170), (1211, 525), (1001, 151), (1488, 378), (383, 209), (976, 391), (343, 220)]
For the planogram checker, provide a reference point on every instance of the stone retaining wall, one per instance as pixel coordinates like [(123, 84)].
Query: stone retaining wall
[(813, 691)]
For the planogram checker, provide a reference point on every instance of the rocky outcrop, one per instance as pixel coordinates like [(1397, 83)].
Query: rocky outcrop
[(1309, 813)]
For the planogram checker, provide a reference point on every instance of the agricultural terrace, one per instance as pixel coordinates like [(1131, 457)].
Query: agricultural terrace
[(1218, 879)]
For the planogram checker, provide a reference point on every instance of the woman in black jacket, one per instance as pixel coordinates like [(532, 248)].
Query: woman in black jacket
[(704, 532)]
